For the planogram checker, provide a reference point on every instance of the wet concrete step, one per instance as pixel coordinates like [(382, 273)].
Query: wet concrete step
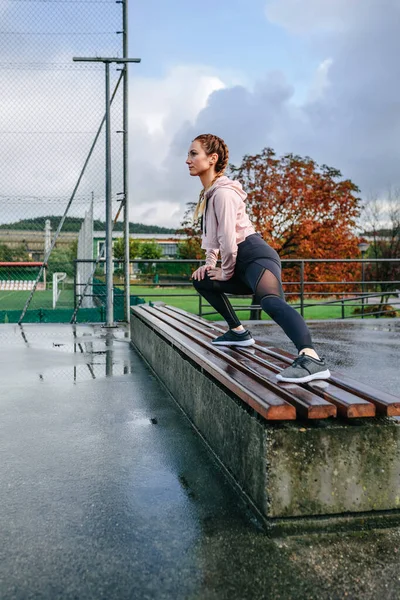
[(277, 441)]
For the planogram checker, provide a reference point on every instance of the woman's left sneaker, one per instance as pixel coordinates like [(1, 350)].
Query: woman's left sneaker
[(231, 338), (303, 369)]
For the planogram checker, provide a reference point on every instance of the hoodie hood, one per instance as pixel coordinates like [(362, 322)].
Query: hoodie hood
[(226, 183)]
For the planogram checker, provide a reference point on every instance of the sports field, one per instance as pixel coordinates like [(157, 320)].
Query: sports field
[(189, 301), (15, 299), (183, 297)]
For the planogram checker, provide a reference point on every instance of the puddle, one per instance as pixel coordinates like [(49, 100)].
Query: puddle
[(60, 353)]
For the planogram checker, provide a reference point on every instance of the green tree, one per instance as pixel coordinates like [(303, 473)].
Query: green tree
[(62, 260), (74, 224), (190, 248), (8, 254), (150, 250), (119, 249), (5, 253)]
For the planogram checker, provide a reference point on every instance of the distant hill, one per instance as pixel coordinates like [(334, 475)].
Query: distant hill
[(74, 224)]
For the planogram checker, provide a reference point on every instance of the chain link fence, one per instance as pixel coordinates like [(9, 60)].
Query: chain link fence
[(51, 112)]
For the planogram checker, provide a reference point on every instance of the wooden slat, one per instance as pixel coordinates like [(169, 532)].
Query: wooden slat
[(252, 393), (209, 324), (202, 340), (348, 405), (308, 405), (348, 402), (386, 404), (352, 398)]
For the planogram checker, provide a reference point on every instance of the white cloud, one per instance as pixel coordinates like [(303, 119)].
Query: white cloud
[(47, 124), (164, 213), (159, 182), (46, 135), (348, 119), (320, 84), (50, 107), (247, 119), (158, 107)]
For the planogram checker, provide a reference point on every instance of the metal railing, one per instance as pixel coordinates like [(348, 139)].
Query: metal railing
[(356, 293)]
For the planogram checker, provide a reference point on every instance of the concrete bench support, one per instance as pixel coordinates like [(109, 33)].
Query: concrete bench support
[(292, 469)]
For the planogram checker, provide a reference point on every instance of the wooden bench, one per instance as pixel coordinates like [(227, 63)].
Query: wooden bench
[(326, 448), (250, 373)]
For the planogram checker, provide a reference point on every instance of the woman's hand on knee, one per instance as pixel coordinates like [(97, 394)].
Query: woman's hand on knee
[(200, 273), (216, 274)]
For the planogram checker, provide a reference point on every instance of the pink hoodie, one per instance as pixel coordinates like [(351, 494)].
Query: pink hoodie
[(225, 224)]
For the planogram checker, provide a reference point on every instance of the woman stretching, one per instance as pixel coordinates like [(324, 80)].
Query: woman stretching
[(248, 264)]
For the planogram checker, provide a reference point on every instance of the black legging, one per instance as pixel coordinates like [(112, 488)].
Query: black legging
[(258, 280)]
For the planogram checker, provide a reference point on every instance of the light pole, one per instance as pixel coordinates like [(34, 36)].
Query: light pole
[(363, 247), (109, 225)]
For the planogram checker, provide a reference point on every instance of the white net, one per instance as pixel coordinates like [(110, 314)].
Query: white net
[(57, 279), (85, 252)]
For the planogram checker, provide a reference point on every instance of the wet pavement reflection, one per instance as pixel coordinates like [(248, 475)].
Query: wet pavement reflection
[(60, 353)]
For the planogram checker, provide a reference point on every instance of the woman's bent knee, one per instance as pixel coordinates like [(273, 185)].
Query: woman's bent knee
[(202, 284), (196, 283)]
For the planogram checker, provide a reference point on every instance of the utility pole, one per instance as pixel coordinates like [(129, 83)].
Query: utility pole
[(125, 165), (109, 224), (47, 244)]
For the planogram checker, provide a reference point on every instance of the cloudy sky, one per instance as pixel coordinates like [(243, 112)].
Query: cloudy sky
[(307, 76), (313, 77)]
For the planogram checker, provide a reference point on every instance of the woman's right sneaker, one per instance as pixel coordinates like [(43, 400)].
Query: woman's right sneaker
[(232, 338), (303, 369)]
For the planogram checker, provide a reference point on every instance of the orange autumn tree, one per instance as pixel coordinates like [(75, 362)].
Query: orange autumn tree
[(303, 210)]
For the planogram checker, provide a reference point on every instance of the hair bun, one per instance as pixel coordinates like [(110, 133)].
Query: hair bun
[(212, 144)]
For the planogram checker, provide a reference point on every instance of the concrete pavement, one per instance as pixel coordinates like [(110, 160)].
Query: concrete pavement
[(107, 492)]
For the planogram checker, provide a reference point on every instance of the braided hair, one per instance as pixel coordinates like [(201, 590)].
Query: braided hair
[(212, 144)]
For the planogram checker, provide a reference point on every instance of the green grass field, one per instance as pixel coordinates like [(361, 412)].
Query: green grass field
[(187, 300), (15, 300), (191, 303)]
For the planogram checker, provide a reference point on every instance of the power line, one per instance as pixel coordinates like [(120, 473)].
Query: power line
[(62, 1), (42, 63), (46, 132), (81, 198), (57, 32), (43, 68), (48, 66)]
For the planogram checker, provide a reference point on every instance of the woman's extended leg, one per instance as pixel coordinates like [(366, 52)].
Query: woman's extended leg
[(268, 290), (269, 294)]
